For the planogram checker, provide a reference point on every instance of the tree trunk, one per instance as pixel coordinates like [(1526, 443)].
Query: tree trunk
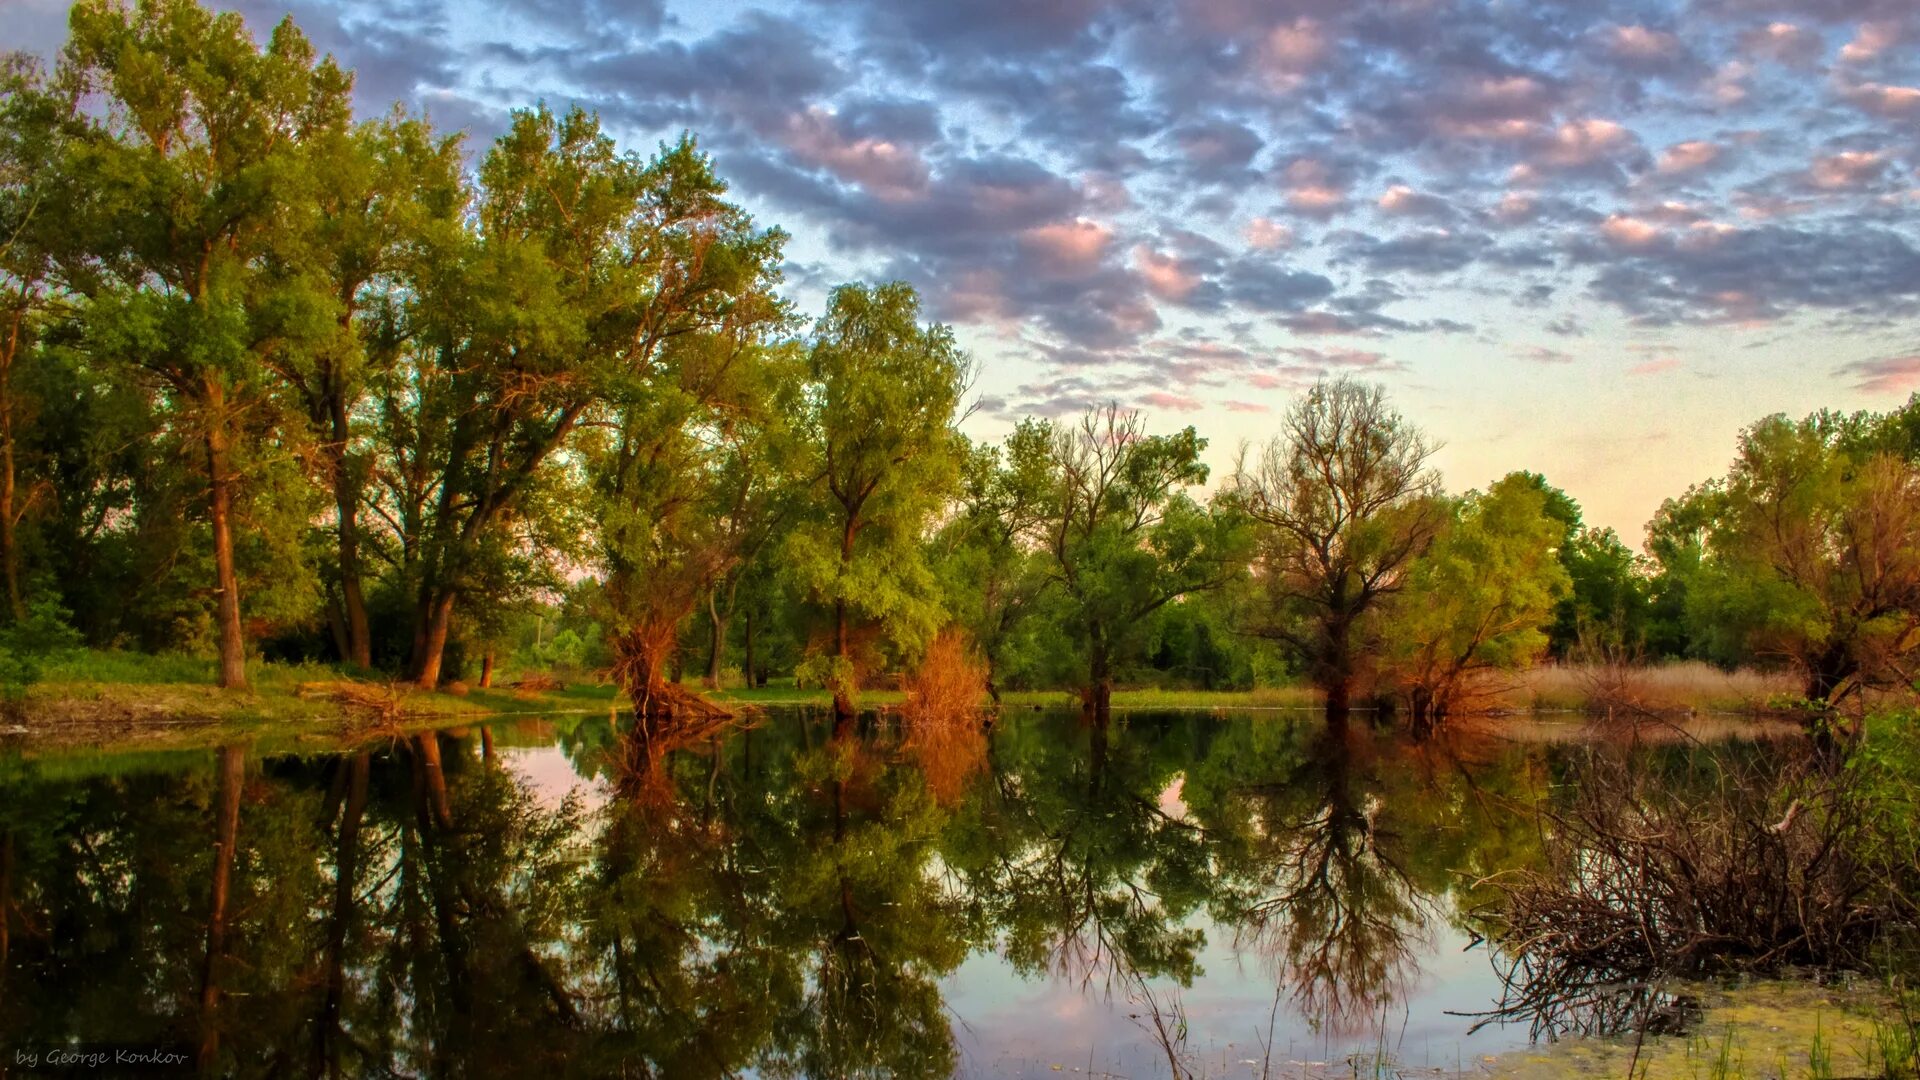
[(1336, 674), (232, 772), (1420, 712), (346, 497), (431, 641), (337, 627), (9, 517), (486, 670), (233, 648), (1827, 673), (746, 662), (1098, 705), (346, 856), (843, 712), (716, 643)]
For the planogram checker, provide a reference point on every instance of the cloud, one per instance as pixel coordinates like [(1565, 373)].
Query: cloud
[(1847, 169), (1690, 156), (1785, 43), (1657, 366), (1403, 201), (1540, 354), (1887, 102), (1266, 234), (1886, 375)]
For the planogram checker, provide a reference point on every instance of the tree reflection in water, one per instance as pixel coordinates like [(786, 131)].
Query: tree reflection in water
[(767, 898)]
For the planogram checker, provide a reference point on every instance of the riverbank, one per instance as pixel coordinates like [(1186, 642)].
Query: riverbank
[(97, 698)]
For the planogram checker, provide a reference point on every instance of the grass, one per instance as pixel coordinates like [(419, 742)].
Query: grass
[(1786, 1029), (1673, 687), (99, 697)]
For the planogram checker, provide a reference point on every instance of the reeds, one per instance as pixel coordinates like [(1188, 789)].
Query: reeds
[(1679, 687)]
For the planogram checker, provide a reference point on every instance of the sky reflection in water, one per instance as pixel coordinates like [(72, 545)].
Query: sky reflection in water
[(774, 901)]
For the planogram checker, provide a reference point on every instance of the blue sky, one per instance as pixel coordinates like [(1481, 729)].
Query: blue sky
[(1591, 239)]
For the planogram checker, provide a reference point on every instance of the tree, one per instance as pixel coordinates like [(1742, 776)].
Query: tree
[(34, 121), (195, 178), (877, 422), (390, 192), (1608, 605), (1125, 539), (1479, 599), (992, 573), (1344, 504), (1813, 556)]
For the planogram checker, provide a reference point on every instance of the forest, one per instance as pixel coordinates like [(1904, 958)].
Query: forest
[(278, 384)]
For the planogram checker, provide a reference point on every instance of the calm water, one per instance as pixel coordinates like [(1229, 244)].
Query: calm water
[(550, 898)]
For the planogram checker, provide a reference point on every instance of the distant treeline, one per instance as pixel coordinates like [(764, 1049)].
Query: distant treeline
[(276, 382)]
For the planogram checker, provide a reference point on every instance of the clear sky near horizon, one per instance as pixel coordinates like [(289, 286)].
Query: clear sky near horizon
[(1591, 239)]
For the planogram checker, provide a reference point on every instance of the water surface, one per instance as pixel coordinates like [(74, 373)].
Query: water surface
[(558, 897)]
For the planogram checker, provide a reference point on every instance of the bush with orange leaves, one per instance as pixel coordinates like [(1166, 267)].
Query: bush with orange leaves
[(941, 716)]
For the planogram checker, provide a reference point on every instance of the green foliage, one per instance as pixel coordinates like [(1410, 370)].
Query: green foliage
[(1480, 598), (27, 644), (1124, 538), (876, 422), (1804, 553)]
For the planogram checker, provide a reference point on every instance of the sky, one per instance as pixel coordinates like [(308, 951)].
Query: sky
[(1591, 238)]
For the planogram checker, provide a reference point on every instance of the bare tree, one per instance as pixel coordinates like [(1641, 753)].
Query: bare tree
[(1344, 503)]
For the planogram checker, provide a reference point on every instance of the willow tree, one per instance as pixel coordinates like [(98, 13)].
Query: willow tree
[(1343, 503), (34, 123), (1811, 556), (692, 409), (877, 424), (995, 576), (195, 178), (1123, 537), (585, 267), (389, 193), (1481, 599)]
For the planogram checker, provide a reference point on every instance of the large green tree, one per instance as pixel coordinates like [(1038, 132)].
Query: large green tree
[(877, 420), (197, 175), (1124, 537), (1812, 555), (694, 411), (390, 192), (1481, 598)]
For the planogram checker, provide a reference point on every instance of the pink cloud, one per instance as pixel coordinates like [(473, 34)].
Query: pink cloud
[(1891, 102), (1292, 50), (1540, 354), (1626, 231), (1688, 156), (1068, 246), (1847, 169), (1887, 375), (1785, 43), (1641, 43), (1872, 39), (1246, 407), (1161, 399), (886, 169), (1164, 275), (1265, 234), (1655, 366), (1313, 190)]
